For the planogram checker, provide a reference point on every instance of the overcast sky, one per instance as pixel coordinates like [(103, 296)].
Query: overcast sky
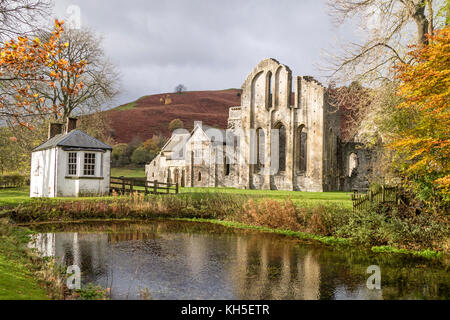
[(204, 44)]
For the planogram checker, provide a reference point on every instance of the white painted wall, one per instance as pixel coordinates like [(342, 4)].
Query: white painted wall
[(50, 174), (42, 180)]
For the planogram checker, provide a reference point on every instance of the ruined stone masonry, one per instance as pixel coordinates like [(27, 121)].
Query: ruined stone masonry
[(283, 136)]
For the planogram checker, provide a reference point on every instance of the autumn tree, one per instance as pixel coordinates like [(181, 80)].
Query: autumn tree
[(175, 124), (352, 101), (84, 87), (154, 145), (99, 79), (421, 137), (21, 65)]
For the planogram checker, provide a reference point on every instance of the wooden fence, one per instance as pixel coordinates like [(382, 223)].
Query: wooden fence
[(124, 185), (382, 195)]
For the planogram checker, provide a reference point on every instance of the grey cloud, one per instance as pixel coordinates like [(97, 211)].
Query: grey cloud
[(205, 45)]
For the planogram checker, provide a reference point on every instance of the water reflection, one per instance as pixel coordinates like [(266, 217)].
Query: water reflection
[(176, 260)]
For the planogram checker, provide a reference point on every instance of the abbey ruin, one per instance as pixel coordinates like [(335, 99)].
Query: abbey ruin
[(284, 136)]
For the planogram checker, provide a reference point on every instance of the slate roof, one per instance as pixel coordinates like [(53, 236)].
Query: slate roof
[(73, 139)]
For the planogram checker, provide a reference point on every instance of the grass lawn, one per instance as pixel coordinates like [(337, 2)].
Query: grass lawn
[(128, 172), (14, 197), (298, 197), (17, 281)]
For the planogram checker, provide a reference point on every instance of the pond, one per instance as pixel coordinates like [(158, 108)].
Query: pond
[(188, 260)]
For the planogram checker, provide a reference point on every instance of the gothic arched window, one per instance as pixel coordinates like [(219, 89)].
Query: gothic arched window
[(269, 90), (260, 149), (302, 151), (352, 164), (226, 166), (281, 147)]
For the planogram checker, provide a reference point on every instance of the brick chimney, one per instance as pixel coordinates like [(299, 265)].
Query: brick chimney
[(54, 129), (71, 124)]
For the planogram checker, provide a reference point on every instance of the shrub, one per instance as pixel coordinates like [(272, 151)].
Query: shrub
[(13, 181), (140, 156), (119, 155)]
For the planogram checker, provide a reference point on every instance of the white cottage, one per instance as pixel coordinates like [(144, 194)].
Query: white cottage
[(70, 164)]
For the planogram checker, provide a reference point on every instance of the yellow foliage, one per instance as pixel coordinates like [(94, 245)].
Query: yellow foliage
[(425, 93)]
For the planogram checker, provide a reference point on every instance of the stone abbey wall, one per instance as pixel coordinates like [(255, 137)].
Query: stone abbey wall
[(283, 136)]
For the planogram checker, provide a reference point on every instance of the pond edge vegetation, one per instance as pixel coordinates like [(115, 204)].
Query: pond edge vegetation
[(330, 224)]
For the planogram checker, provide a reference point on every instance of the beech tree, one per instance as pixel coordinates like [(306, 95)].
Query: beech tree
[(422, 139)]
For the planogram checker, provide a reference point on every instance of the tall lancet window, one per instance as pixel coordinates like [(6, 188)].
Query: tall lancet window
[(302, 152), (269, 90), (260, 149), (281, 147)]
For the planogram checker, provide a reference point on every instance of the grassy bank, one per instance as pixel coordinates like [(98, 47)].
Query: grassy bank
[(23, 276)]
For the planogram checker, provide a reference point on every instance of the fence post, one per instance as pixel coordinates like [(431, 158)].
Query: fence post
[(146, 187), (155, 187), (123, 185), (168, 187), (383, 194), (131, 185), (176, 188)]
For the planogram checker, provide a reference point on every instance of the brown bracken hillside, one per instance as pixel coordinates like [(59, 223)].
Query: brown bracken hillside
[(150, 115)]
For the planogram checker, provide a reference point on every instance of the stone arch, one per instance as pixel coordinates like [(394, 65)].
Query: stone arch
[(301, 149), (277, 86), (253, 97), (280, 150), (353, 163)]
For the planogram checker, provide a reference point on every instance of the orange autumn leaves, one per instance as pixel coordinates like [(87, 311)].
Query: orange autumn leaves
[(425, 89), (29, 66)]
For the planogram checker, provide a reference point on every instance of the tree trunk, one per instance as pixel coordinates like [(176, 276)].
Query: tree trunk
[(421, 23), (430, 17)]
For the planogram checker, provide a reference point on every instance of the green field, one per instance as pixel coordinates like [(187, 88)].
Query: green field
[(128, 172), (14, 197)]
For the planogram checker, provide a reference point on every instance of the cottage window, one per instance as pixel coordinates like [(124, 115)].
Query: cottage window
[(72, 164), (199, 176), (89, 164)]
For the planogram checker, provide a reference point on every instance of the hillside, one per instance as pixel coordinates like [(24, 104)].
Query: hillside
[(148, 115)]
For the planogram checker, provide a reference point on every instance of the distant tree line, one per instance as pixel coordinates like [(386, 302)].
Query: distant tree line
[(139, 152)]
